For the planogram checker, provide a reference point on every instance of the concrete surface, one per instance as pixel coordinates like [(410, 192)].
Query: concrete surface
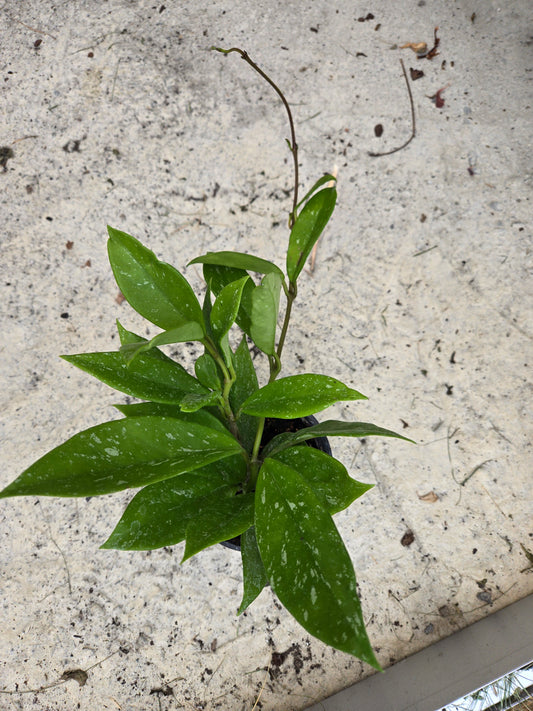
[(420, 297)]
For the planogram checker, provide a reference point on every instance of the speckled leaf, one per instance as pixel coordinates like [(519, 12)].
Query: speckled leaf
[(327, 178), (329, 428), (207, 372), (207, 307), (190, 331), (223, 515), (238, 260), (298, 396), (325, 475), (151, 376), (308, 227), (155, 289), (218, 277), (144, 409), (122, 454), (196, 401), (254, 574), (128, 336), (159, 514), (245, 384), (306, 561), (265, 307), (226, 307)]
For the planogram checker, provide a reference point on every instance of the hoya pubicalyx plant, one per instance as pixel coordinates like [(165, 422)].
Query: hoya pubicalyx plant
[(194, 444)]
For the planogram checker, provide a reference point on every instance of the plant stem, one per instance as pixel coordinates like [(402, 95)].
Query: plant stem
[(229, 379), (291, 295), (255, 462), (291, 292), (292, 143)]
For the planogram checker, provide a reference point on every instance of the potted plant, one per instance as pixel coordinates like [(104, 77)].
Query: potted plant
[(201, 447)]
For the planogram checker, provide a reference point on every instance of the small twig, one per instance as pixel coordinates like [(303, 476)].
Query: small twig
[(448, 438), (114, 80), (310, 118), (474, 470), (262, 686), (423, 251), (22, 139), (492, 499), (498, 431), (433, 51), (413, 120), (293, 146), (58, 548), (57, 683), (39, 32)]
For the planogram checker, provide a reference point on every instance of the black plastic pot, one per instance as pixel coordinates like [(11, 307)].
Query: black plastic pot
[(273, 427)]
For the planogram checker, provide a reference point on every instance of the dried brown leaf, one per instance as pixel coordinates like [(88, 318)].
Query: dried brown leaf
[(430, 497)]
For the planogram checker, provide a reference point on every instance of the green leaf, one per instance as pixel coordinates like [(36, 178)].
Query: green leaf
[(298, 396), (325, 475), (191, 331), (265, 307), (207, 307), (226, 351), (159, 514), (226, 307), (222, 516), (330, 428), (244, 385), (207, 372), (327, 178), (122, 454), (306, 561), (307, 228), (152, 376), (128, 336), (155, 289), (254, 574), (144, 409), (195, 401), (239, 260), (218, 277)]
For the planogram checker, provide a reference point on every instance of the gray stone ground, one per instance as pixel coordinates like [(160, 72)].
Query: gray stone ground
[(420, 297)]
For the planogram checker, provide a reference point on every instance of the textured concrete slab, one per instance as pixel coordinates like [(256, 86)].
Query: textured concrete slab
[(115, 112)]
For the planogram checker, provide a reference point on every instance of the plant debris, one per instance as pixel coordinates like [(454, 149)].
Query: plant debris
[(407, 538), (433, 51), (421, 48), (474, 470), (413, 120), (437, 98), (529, 556), (78, 675), (5, 154), (72, 146), (417, 47), (431, 497), (163, 691), (415, 73)]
